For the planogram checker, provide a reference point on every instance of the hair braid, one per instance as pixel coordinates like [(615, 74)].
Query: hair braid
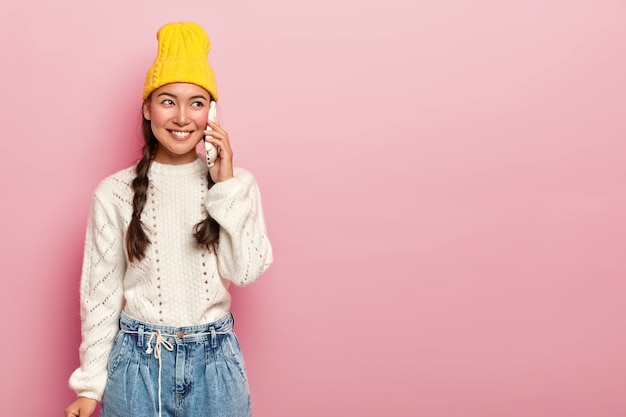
[(207, 232), (136, 238)]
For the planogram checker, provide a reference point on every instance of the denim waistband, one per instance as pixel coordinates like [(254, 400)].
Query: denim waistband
[(180, 334)]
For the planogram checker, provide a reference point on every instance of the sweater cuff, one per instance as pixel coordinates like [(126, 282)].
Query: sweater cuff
[(226, 190), (89, 394)]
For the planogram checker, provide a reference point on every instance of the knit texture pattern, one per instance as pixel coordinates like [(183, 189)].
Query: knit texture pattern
[(178, 283), (182, 57)]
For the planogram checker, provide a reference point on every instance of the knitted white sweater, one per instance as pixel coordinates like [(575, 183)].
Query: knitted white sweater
[(177, 283)]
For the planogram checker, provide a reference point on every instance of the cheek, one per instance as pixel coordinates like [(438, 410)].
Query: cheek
[(158, 118), (200, 119)]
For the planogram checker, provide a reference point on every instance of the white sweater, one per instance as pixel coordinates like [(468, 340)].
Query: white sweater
[(178, 283)]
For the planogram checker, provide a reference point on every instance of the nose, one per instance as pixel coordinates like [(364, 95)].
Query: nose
[(181, 117)]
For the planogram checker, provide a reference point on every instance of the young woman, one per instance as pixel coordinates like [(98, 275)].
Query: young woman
[(165, 238)]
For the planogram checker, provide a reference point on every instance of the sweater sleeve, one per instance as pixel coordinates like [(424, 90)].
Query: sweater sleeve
[(101, 298), (244, 251)]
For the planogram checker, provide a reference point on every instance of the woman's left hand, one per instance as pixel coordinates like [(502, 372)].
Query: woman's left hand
[(222, 169)]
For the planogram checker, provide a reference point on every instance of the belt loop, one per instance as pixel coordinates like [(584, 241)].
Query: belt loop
[(140, 336), (213, 337)]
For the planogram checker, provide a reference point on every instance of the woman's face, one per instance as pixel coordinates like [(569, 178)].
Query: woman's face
[(178, 116)]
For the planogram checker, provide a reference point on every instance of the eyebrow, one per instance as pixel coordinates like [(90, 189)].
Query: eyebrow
[(174, 96)]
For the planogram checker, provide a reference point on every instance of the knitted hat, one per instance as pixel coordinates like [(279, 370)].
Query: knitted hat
[(182, 58)]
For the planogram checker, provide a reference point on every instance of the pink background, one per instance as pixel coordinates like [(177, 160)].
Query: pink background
[(443, 184)]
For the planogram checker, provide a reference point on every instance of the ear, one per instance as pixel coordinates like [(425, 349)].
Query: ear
[(145, 108)]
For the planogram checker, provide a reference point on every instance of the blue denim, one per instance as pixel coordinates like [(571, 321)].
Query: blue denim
[(203, 375)]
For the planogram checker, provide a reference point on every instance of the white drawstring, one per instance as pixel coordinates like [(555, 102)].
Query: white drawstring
[(160, 341)]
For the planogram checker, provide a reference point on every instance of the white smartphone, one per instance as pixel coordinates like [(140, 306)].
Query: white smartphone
[(209, 148)]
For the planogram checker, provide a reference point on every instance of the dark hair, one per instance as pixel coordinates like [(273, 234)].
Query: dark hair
[(206, 232)]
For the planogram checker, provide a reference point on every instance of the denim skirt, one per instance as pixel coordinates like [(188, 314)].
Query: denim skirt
[(167, 371)]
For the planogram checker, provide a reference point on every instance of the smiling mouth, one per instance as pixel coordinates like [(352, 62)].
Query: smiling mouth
[(180, 134)]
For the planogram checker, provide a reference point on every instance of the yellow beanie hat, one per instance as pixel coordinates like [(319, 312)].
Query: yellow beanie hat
[(182, 58)]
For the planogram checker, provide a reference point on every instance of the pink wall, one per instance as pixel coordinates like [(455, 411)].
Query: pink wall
[(443, 184)]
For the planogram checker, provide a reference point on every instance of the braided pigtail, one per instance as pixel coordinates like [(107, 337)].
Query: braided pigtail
[(137, 240), (207, 232)]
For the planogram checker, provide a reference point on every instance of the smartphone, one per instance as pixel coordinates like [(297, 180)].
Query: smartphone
[(209, 148)]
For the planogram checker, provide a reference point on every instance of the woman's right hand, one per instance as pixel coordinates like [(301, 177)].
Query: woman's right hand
[(82, 407)]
